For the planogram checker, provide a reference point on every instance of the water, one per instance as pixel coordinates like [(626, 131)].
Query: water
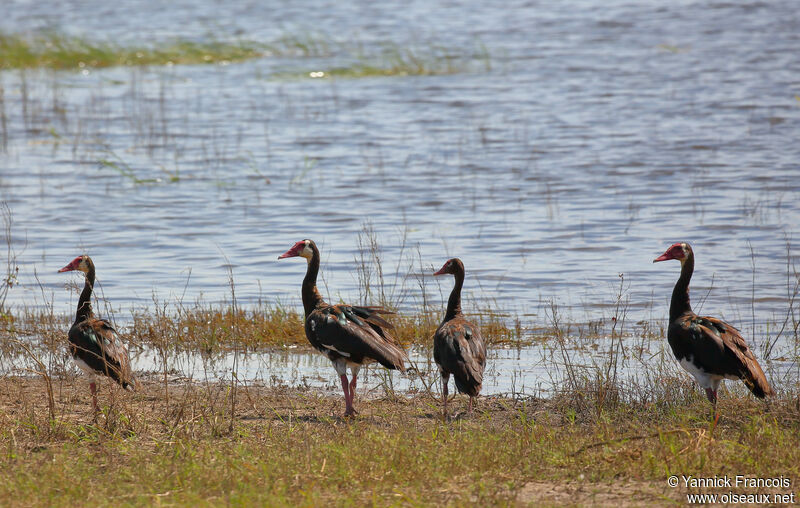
[(537, 370), (509, 372), (602, 133)]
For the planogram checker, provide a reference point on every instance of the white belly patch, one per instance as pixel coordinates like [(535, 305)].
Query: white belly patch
[(84, 366), (702, 377)]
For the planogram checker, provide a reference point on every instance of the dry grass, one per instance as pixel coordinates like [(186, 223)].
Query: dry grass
[(602, 438), (291, 448), (213, 329)]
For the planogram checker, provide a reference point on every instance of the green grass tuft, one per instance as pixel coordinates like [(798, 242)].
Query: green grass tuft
[(58, 51)]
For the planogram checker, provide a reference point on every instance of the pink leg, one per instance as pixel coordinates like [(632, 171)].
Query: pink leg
[(444, 396), (93, 389), (353, 392), (712, 397), (348, 402)]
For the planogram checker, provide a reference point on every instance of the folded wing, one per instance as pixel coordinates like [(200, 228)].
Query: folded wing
[(459, 350), (719, 348), (95, 342), (358, 334)]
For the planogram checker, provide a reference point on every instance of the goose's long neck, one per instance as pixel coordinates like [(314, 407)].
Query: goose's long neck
[(680, 295), (454, 302), (311, 296), (85, 300)]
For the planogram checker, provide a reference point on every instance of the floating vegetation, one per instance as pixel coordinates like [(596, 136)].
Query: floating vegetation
[(671, 48), (51, 50), (307, 45), (394, 60), (57, 51), (125, 170)]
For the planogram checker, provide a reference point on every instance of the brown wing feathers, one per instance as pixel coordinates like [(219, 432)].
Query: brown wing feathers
[(736, 358), (358, 333), (750, 370), (371, 315)]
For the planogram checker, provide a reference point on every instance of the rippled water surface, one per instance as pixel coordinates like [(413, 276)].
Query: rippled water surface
[(592, 136)]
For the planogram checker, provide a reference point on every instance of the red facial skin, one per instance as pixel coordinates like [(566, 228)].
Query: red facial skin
[(294, 251), (675, 251), (73, 265), (444, 269)]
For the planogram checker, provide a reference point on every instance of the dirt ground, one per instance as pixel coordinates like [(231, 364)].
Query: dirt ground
[(156, 409)]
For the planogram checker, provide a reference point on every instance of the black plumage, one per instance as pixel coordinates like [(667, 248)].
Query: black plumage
[(357, 334), (708, 348), (458, 347), (93, 342), (348, 335)]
